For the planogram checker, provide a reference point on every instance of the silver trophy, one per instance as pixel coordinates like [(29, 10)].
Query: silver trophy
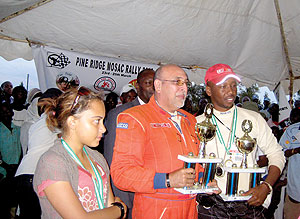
[(205, 130), (246, 144)]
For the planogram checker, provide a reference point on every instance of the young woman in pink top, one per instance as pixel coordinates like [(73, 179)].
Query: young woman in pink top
[(72, 180)]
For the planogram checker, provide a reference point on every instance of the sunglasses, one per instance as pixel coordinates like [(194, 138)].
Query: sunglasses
[(178, 82), (82, 91)]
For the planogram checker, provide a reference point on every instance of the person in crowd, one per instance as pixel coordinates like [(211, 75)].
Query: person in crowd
[(245, 99), (264, 115), (274, 112), (297, 103), (26, 197), (267, 103), (72, 180), (221, 86), (148, 140), (202, 103), (290, 141), (255, 98), (32, 94), (265, 109), (19, 106), (188, 106), (67, 80), (10, 152), (294, 116), (127, 93), (31, 116), (6, 92), (250, 105), (145, 90), (111, 101)]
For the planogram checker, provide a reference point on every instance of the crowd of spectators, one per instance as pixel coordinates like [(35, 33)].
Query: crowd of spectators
[(19, 112)]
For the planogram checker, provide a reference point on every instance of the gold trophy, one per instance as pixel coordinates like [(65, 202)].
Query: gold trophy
[(205, 132), (245, 145)]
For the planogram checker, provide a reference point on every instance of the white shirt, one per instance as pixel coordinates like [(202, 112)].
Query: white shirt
[(19, 117), (32, 116), (40, 140), (261, 131)]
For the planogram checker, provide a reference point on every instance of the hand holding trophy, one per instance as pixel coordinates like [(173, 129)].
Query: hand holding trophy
[(205, 132), (245, 145)]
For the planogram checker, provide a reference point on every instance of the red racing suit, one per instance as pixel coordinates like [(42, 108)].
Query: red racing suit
[(147, 142)]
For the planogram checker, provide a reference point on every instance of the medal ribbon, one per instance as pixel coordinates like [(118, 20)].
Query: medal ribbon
[(98, 184), (232, 134)]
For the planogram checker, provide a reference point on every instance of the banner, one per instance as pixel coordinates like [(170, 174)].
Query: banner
[(97, 73), (284, 106)]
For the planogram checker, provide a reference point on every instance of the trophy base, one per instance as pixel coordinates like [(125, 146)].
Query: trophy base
[(196, 189), (194, 159), (233, 198), (244, 170)]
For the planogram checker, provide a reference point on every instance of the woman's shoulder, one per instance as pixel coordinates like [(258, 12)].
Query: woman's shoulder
[(54, 153), (98, 157)]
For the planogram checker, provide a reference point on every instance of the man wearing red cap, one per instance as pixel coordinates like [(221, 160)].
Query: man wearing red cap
[(221, 86)]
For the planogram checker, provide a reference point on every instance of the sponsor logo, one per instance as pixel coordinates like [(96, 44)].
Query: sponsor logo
[(57, 60), (122, 125), (223, 70), (105, 83), (160, 125)]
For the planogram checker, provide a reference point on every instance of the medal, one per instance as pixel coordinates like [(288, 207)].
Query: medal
[(228, 163)]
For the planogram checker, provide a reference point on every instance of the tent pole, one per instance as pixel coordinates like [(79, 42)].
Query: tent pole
[(40, 3), (30, 42), (286, 52), (12, 39)]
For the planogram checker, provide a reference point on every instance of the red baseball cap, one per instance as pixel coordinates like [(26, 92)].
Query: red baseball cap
[(219, 73)]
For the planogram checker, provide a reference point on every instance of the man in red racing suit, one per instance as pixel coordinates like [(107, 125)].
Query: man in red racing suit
[(148, 140)]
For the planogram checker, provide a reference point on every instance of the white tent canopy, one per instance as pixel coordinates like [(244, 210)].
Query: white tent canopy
[(195, 33)]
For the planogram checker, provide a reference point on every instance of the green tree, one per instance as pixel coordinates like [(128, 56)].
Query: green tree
[(195, 93), (248, 91)]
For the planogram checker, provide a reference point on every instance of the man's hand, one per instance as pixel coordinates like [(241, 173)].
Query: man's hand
[(214, 183), (182, 177), (259, 194)]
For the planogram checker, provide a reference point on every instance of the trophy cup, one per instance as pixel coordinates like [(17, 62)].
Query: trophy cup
[(205, 132), (245, 145)]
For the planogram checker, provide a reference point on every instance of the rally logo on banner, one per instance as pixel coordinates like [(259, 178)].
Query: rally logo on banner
[(97, 73), (58, 61), (105, 83)]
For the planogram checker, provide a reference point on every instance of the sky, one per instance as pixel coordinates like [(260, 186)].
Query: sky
[(16, 72)]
